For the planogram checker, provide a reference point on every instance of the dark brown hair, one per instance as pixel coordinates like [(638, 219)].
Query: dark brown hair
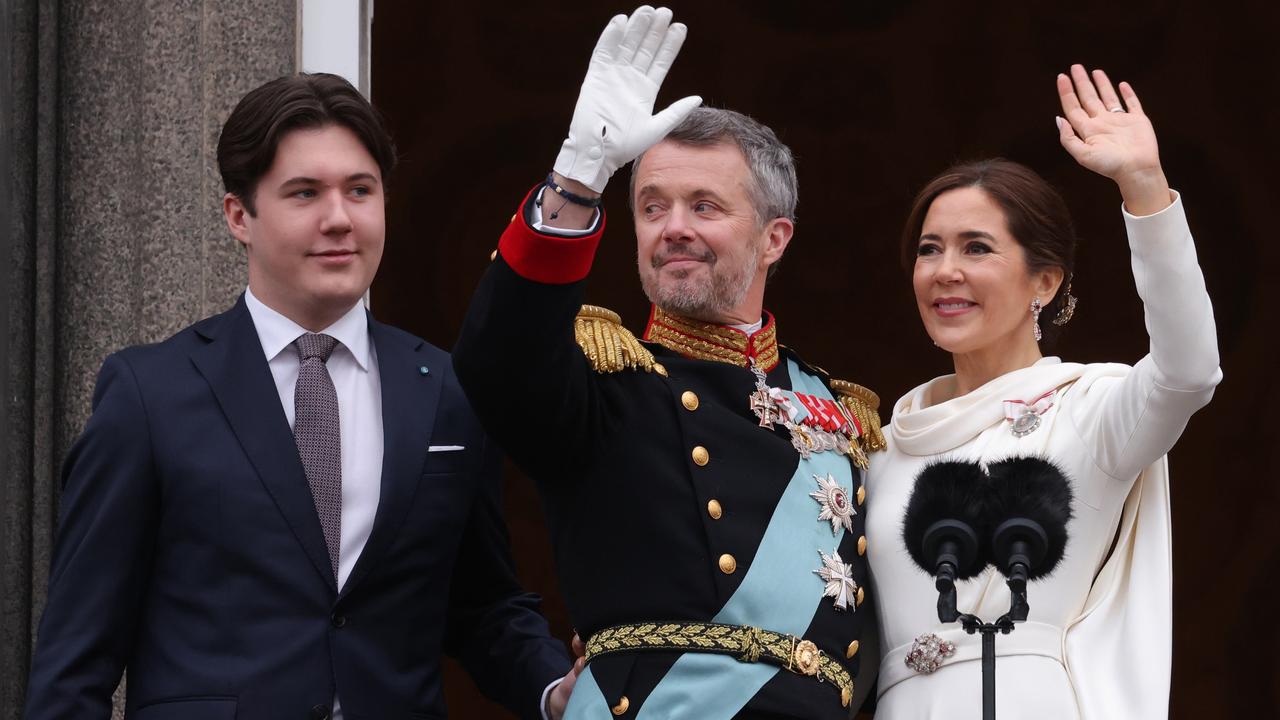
[(252, 133), (1036, 214)]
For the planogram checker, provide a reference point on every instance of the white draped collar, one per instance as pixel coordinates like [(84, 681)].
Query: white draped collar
[(922, 428)]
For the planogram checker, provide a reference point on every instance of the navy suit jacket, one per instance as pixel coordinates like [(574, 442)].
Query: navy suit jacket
[(190, 552)]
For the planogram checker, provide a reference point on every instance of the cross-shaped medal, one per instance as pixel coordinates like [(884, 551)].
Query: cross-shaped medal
[(761, 404)]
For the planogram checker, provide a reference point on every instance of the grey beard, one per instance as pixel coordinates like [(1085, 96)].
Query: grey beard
[(701, 301)]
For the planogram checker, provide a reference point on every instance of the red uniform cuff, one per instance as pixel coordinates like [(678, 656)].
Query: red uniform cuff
[(544, 258)]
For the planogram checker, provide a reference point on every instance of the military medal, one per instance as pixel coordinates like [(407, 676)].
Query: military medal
[(762, 402), (1024, 417), (803, 441), (816, 424), (838, 575), (1026, 424), (835, 503)]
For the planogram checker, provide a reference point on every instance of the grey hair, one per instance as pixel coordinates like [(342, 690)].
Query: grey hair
[(774, 189)]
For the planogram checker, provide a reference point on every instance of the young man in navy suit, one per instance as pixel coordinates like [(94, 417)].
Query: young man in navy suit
[(288, 510)]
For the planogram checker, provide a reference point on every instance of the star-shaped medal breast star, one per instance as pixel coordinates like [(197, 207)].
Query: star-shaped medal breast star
[(835, 503), (838, 576)]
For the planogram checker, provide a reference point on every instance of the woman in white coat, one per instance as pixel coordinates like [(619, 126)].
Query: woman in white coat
[(992, 252)]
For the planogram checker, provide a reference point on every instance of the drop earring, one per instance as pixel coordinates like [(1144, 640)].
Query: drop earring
[(1035, 318), (1068, 307)]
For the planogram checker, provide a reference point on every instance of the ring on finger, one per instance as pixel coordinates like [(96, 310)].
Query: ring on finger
[(1116, 109)]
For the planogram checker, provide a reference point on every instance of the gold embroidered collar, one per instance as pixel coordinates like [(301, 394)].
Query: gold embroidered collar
[(718, 343)]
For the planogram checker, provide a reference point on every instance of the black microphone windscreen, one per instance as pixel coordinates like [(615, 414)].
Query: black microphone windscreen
[(947, 490), (1036, 489)]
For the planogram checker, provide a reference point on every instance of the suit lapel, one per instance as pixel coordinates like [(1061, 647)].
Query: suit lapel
[(233, 363), (409, 403)]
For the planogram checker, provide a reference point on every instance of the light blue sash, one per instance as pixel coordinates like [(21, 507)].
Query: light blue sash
[(780, 593), (587, 701)]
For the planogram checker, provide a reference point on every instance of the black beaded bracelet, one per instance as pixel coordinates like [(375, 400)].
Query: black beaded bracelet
[(594, 202)]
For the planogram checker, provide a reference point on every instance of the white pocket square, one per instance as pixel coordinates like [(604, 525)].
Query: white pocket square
[(444, 448)]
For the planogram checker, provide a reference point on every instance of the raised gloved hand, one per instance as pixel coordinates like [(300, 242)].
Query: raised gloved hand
[(613, 121)]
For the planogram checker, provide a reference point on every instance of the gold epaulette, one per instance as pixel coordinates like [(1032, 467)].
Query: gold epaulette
[(610, 347), (863, 405)]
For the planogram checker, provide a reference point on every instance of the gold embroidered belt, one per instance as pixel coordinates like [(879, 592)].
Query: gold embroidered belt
[(745, 643)]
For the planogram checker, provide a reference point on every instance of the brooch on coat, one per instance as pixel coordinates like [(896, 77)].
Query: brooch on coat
[(928, 653), (1024, 417)]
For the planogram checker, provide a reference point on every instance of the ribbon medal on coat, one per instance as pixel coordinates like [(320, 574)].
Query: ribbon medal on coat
[(817, 424), (1025, 416)]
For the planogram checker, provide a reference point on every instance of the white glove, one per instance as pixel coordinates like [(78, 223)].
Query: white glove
[(613, 121)]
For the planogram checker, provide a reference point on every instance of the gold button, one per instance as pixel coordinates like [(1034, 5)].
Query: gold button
[(728, 564), (852, 649), (862, 545), (714, 509), (513, 217), (493, 256), (701, 456), (622, 706), (861, 597), (862, 494), (658, 368), (689, 399)]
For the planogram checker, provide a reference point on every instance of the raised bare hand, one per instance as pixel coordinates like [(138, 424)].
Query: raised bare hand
[(1111, 135)]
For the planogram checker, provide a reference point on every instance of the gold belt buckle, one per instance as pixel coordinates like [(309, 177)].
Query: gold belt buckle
[(806, 656)]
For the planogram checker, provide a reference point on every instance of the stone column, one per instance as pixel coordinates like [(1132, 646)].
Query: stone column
[(116, 233)]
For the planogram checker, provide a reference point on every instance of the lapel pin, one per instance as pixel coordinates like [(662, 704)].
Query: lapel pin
[(422, 370)]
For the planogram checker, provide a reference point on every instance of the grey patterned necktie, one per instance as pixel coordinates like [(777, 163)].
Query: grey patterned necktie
[(319, 437)]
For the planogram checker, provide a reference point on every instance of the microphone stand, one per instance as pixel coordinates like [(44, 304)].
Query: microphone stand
[(1027, 500), (1018, 610)]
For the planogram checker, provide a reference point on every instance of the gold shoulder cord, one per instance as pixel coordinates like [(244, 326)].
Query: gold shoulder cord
[(863, 405), (608, 346)]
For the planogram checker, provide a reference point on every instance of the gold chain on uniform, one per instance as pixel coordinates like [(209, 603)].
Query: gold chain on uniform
[(708, 341), (747, 644)]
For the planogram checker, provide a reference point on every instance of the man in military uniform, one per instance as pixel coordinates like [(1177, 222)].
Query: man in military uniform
[(703, 486)]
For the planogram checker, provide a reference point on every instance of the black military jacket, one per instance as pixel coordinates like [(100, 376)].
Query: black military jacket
[(658, 484)]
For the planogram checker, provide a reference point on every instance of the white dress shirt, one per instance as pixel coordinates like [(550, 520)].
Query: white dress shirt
[(353, 366), (354, 369)]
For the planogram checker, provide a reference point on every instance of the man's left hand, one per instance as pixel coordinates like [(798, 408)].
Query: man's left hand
[(558, 700)]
